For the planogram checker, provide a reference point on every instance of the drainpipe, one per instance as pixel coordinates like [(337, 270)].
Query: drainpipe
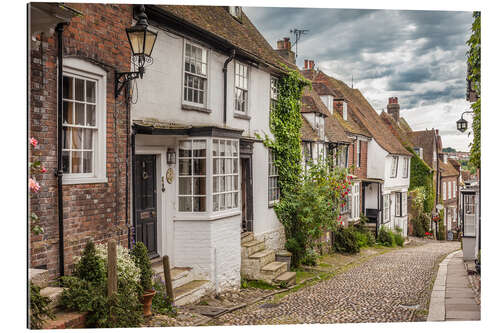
[(59, 172), (132, 144), (224, 69), (127, 178)]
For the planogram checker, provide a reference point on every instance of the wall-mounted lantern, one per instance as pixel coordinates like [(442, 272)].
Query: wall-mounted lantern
[(141, 41), (170, 156), (462, 123)]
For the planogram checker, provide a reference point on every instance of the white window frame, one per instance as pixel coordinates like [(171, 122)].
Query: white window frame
[(273, 92), (454, 189), (344, 110), (404, 203), (386, 202), (201, 76), (394, 166), (406, 162), (192, 176), (272, 176), (358, 153), (443, 195), (449, 190), (83, 69), (236, 86), (398, 207), (355, 201), (231, 192)]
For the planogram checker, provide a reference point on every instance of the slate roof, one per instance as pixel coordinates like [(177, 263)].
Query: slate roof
[(216, 20)]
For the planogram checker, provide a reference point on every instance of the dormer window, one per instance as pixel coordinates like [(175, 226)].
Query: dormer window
[(328, 101), (235, 12), (344, 110)]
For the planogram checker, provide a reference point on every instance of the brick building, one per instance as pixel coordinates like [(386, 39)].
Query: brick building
[(94, 126)]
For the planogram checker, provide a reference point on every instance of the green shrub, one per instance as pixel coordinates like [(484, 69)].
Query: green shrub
[(141, 258), (310, 258), (162, 303), (386, 237), (39, 308), (87, 290), (399, 239), (346, 241), (441, 231)]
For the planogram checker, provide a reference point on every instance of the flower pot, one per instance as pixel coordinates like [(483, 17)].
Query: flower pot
[(147, 300)]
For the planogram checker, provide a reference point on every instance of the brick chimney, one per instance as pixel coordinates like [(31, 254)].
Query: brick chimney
[(393, 108), (340, 105), (284, 49), (308, 64)]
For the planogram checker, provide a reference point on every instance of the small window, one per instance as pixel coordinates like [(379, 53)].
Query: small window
[(449, 190), (398, 204), (355, 201), (404, 203), (344, 110), (273, 189), (195, 74), (405, 167), (386, 211), (454, 189), (343, 156), (225, 154), (307, 151), (358, 150), (444, 191), (240, 87), (192, 175), (235, 12), (274, 92), (394, 166)]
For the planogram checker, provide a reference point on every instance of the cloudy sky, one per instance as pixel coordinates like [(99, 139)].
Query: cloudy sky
[(418, 56)]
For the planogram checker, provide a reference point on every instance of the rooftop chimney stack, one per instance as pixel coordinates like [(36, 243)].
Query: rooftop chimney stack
[(393, 108), (308, 64), (284, 49)]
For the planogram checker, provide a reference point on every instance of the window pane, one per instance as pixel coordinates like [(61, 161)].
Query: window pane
[(235, 148), (199, 185), (228, 183), (79, 88), (215, 202), (222, 201), (215, 185), (68, 87), (90, 115), (87, 161), (90, 91), (184, 185), (222, 182), (76, 162), (235, 165), (185, 204), (77, 138), (235, 182), (199, 148), (199, 204), (65, 161), (66, 137), (215, 147), (235, 199), (185, 167), (79, 113), (185, 149), (228, 163), (87, 138), (222, 148), (229, 200), (67, 112), (200, 167)]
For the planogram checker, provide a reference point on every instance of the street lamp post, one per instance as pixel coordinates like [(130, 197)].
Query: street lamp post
[(462, 123), (141, 41)]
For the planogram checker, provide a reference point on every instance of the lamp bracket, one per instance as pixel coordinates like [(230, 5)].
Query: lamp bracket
[(122, 78)]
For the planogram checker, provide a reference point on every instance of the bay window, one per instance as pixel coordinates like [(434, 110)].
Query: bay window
[(84, 122), (225, 174), (405, 167), (192, 176), (195, 75), (394, 166)]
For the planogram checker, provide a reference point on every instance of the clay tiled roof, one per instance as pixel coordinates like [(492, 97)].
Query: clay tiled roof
[(455, 163), (447, 170), (425, 139), (216, 20), (307, 133), (334, 130), (401, 132)]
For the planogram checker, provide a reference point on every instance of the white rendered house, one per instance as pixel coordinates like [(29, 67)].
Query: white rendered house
[(202, 177)]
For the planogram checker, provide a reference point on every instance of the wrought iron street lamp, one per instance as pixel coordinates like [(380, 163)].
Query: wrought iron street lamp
[(142, 41), (462, 123)]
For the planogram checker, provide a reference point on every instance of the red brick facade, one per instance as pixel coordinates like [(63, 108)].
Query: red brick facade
[(353, 158), (96, 211)]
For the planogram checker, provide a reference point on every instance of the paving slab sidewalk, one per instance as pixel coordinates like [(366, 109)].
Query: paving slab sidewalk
[(452, 297)]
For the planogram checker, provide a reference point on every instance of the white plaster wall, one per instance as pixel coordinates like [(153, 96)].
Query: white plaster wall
[(376, 160), (397, 183), (371, 196), (226, 245), (266, 225)]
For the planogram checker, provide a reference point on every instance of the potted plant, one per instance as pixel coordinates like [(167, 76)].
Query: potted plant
[(141, 258)]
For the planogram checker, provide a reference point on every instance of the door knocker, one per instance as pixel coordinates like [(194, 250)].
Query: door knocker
[(170, 175), (162, 184)]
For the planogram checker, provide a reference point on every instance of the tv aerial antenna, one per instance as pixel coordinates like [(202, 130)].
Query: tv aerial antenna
[(297, 33)]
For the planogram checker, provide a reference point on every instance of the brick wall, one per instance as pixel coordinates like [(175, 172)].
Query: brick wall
[(353, 158), (94, 211)]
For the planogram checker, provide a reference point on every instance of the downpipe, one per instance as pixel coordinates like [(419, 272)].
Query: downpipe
[(224, 69)]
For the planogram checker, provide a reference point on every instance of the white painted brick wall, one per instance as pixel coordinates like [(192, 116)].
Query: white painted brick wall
[(226, 242)]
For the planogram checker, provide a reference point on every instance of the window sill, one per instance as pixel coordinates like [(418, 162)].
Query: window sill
[(82, 180), (187, 107), (242, 116)]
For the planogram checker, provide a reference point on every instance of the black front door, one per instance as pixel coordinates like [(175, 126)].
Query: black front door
[(246, 193), (145, 202)]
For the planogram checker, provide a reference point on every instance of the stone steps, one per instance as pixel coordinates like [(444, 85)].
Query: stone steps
[(191, 292), (260, 263), (66, 320), (54, 293), (39, 277)]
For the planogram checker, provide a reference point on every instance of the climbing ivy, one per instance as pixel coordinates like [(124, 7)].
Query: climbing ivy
[(474, 62), (421, 175)]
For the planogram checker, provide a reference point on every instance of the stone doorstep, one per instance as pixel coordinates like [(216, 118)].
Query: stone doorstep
[(66, 320), (247, 236), (251, 247), (190, 292), (54, 293), (274, 268), (263, 257), (39, 277), (288, 277)]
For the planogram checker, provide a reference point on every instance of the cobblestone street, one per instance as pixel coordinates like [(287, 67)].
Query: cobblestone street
[(392, 287)]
